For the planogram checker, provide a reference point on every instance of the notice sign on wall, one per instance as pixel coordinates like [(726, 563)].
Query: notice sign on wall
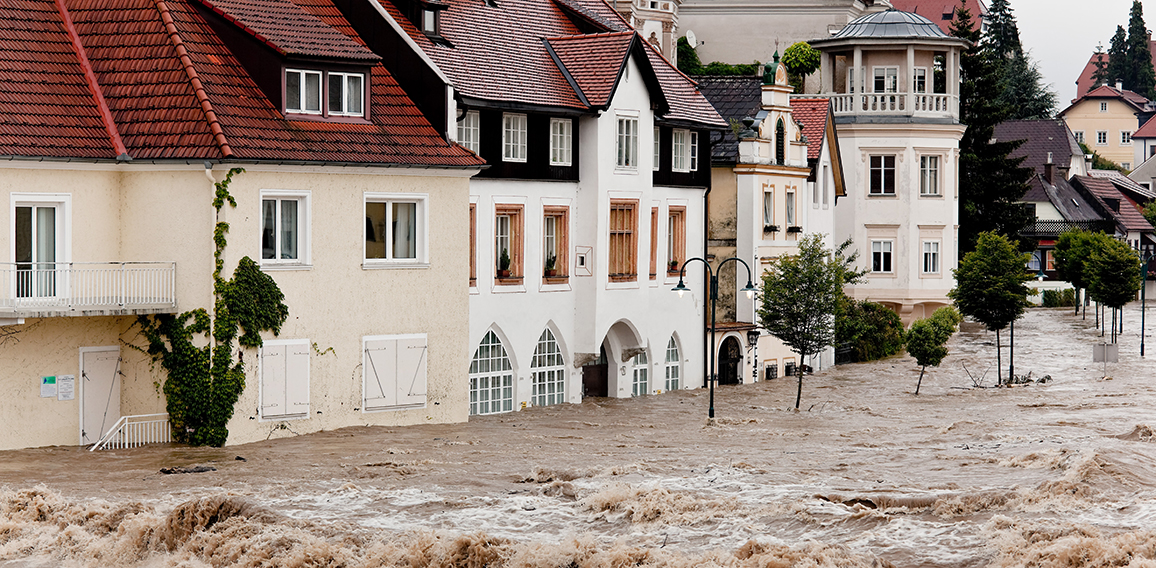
[(47, 387), (66, 387)]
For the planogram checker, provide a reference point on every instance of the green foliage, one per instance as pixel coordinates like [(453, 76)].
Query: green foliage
[(551, 261), (1002, 32), (1141, 78), (1101, 163), (801, 60), (689, 63), (1113, 272), (504, 260), (1022, 89), (990, 282), (1118, 57), (1072, 250), (927, 338), (1065, 298), (1100, 75), (1149, 212), (873, 330), (203, 382), (799, 296)]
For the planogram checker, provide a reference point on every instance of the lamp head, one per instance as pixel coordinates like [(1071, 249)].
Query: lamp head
[(749, 290), (681, 288)]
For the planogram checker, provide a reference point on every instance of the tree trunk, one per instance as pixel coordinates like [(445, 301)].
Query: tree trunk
[(921, 370), (1011, 356), (1078, 302), (1113, 325), (799, 395), (998, 362)]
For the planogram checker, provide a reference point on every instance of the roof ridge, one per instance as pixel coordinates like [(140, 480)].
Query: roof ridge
[(194, 79), (596, 34), (93, 86)]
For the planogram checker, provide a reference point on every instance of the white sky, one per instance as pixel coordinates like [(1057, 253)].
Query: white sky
[(1062, 34)]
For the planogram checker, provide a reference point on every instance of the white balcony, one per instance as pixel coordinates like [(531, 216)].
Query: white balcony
[(915, 105), (50, 289)]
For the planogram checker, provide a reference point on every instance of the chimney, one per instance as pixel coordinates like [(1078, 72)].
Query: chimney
[(1119, 85), (1049, 168)]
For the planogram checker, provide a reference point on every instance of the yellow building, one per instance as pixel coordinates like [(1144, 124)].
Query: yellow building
[(1104, 120)]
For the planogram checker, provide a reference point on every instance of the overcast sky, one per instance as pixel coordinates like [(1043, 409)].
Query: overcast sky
[(1062, 34)]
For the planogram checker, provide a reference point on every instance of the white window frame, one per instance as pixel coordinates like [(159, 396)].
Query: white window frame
[(768, 199), (422, 233), (470, 131), (549, 238), (693, 151), (505, 375), (561, 141), (920, 75), (321, 86), (673, 366), (930, 255), (657, 149), (640, 375), (789, 209), (547, 369), (62, 202), (929, 175), (889, 74), (1125, 137), (304, 228), (886, 258), (1103, 106), (1079, 135), (408, 391), (297, 347), (680, 156), (429, 22), (883, 169), (514, 137), (626, 143), (345, 80), (1101, 137)]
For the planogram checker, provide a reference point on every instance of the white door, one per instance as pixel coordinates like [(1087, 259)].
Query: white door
[(99, 392)]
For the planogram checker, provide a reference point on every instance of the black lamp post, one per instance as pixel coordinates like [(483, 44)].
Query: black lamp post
[(1145, 258), (682, 289)]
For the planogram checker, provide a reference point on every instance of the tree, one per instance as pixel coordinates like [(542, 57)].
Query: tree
[(1113, 272), (872, 330), (989, 285), (1022, 91), (1002, 32), (688, 61), (1100, 75), (801, 60), (799, 297), (927, 339), (1149, 212), (990, 183), (1072, 251), (1118, 57), (1141, 78)]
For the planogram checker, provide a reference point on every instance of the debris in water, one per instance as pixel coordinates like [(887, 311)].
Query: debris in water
[(194, 469)]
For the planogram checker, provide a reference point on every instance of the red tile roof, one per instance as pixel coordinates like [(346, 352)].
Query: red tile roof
[(1129, 216), (935, 10), (175, 91), (686, 102), (595, 61), (1084, 81), (812, 113), (1146, 131), (289, 29), (1135, 100), (597, 12)]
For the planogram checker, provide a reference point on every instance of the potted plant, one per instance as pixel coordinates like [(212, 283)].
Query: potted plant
[(504, 264), (794, 229), (770, 228), (673, 266), (551, 271)]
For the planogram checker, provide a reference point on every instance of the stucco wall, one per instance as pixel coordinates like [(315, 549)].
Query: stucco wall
[(1085, 116)]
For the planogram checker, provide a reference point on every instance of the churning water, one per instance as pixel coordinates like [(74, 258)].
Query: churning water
[(1050, 474)]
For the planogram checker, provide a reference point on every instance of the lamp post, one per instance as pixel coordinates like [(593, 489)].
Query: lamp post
[(1145, 259), (713, 295), (753, 340)]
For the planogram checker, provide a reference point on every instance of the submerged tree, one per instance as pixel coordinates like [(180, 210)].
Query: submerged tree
[(799, 296), (927, 339), (990, 285), (1071, 252), (1113, 272)]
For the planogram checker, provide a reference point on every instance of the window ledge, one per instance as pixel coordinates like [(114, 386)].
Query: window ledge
[(556, 280), (285, 267), (474, 290), (508, 281), (931, 196), (284, 418), (550, 286), (392, 408), (931, 275), (619, 170), (882, 196), (622, 285), (881, 275), (389, 265), (507, 286)]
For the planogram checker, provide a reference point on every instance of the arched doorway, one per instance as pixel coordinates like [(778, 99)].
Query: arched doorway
[(594, 381), (730, 358)]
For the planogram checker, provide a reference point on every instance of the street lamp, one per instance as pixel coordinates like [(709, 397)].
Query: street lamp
[(682, 289)]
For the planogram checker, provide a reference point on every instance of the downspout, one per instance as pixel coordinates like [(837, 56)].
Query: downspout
[(706, 275)]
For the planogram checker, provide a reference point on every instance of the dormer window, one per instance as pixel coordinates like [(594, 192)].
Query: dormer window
[(429, 21), (344, 95), (302, 91)]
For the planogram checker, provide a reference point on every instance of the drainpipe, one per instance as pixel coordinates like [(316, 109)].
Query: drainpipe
[(705, 273)]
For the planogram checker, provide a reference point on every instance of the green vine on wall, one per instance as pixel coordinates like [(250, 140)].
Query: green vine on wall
[(204, 383)]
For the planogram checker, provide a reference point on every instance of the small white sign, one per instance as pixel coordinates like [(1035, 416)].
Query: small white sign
[(65, 387), (47, 387)]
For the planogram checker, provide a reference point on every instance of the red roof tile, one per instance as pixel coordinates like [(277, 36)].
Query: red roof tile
[(1135, 100), (935, 10), (598, 13), (687, 103), (1129, 216), (1084, 81), (595, 61), (289, 29), (812, 113), (1146, 131)]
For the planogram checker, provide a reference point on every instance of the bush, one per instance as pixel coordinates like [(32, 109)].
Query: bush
[(1059, 298), (872, 330)]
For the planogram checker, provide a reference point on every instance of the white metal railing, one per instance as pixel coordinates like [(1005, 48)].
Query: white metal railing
[(39, 287), (896, 104), (135, 431)]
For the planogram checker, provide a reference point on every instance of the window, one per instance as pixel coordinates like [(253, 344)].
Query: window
[(285, 379), (39, 245), (284, 222), (653, 243), (640, 385), (886, 80), (429, 22), (469, 131), (548, 372), (657, 151), (561, 140), (1125, 137), (395, 228), (1126, 165), (882, 175), (491, 378), (627, 143), (684, 157), (1050, 260), (929, 175), (815, 194), (676, 239), (1079, 134), (346, 94), (823, 183), (768, 207), (623, 254), (673, 365), (1101, 137), (920, 80), (881, 256), (302, 91), (780, 143), (393, 372), (555, 242), (931, 257), (513, 137), (790, 209), (1103, 107), (508, 241)]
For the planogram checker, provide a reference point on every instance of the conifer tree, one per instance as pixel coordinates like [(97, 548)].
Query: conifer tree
[(1118, 57), (1022, 91), (1002, 31), (1140, 77), (1100, 75)]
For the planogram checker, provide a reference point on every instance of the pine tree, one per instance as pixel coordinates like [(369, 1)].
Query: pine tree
[(990, 183), (1118, 57), (1141, 78), (1002, 32), (1022, 91), (1100, 75)]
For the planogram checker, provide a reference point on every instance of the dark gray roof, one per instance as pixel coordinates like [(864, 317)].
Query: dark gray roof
[(1041, 137), (1069, 202), (890, 24), (734, 97)]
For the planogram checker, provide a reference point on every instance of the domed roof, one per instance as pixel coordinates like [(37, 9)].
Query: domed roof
[(890, 24)]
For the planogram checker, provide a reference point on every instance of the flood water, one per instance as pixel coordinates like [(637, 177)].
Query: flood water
[(867, 474)]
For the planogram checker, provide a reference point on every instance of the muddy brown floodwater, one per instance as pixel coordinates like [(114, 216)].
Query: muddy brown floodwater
[(1054, 474)]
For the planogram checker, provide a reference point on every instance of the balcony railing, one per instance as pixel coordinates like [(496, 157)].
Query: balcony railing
[(38, 289), (925, 105), (1052, 229), (136, 431)]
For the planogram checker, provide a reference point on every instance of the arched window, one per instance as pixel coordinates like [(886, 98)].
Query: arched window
[(491, 378), (548, 372), (673, 365), (641, 366), (780, 143)]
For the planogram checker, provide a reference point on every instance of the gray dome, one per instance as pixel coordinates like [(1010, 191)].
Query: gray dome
[(890, 24)]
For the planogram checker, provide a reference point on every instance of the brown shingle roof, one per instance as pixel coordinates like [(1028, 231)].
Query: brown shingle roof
[(289, 29), (1040, 137), (1128, 217), (595, 61)]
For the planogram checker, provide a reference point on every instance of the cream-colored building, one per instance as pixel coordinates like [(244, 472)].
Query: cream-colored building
[(1104, 121)]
